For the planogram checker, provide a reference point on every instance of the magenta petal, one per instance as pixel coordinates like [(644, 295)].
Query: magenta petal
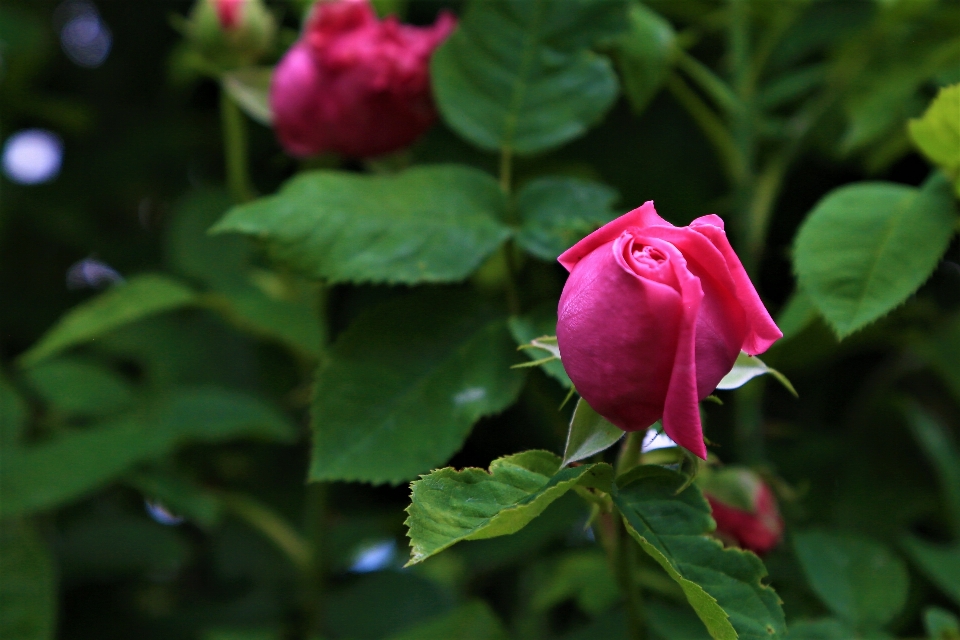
[(293, 102), (722, 323), (617, 334), (642, 216), (681, 410), (762, 330)]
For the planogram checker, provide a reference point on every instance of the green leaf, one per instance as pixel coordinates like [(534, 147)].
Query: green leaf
[(941, 564), (403, 386), (859, 580), (79, 387), (448, 506), (540, 322), (222, 262), (868, 246), (13, 415), (581, 575), (673, 620), (558, 212), (269, 305), (589, 433), (645, 54), (748, 367), (823, 629), (293, 323), (28, 590), (139, 297), (250, 89), (937, 133), (39, 477), (937, 444), (723, 585), (940, 624), (471, 621), (519, 75), (426, 224)]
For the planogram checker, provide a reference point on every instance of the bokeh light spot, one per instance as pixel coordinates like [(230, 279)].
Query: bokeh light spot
[(32, 156)]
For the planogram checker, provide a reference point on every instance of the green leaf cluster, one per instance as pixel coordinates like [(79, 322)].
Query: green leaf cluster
[(668, 518)]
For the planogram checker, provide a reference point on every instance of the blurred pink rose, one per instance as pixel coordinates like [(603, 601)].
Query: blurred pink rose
[(355, 85), (759, 529), (653, 316)]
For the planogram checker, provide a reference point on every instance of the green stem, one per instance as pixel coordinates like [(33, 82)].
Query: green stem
[(506, 169), (509, 252), (757, 215), (235, 149), (711, 125), (274, 528), (748, 414), (711, 84), (626, 570), (629, 455), (315, 515)]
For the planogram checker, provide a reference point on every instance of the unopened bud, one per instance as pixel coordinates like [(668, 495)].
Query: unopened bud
[(743, 506), (231, 33)]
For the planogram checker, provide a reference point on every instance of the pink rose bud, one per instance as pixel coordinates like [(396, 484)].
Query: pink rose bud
[(231, 33), (355, 85), (653, 316), (228, 12), (744, 508)]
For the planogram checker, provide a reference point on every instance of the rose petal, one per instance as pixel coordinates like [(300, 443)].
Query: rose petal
[(623, 373), (722, 323), (294, 89), (643, 216), (681, 410), (762, 330)]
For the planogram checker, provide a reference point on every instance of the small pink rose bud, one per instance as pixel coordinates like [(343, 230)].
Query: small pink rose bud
[(231, 33), (653, 316), (355, 85), (228, 12), (744, 508)]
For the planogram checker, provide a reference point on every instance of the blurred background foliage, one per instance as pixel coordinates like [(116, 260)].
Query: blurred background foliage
[(153, 478)]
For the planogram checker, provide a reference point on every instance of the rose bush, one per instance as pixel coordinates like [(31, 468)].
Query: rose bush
[(653, 316), (355, 85), (743, 507)]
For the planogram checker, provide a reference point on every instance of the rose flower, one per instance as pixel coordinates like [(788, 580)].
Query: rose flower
[(355, 85), (653, 316)]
